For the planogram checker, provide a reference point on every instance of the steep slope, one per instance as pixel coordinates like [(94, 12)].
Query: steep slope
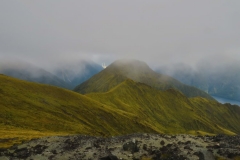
[(170, 111), (31, 110), (29, 72), (138, 71)]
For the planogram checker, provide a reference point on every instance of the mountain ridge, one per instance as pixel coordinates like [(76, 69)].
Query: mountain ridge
[(36, 110), (220, 81), (65, 75), (169, 109), (121, 70)]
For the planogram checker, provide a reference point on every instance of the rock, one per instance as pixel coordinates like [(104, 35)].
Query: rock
[(188, 148), (38, 149), (164, 149), (109, 157), (88, 148), (130, 146), (22, 153), (169, 145), (188, 142), (54, 151), (51, 157), (144, 147), (138, 146), (200, 155), (70, 145), (162, 142)]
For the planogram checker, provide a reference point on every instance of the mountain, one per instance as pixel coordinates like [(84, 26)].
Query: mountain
[(217, 81), (67, 75), (29, 110), (77, 72), (170, 111), (29, 72), (138, 71)]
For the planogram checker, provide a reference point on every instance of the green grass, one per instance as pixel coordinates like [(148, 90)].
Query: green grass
[(30, 110), (170, 111), (46, 109), (13, 135)]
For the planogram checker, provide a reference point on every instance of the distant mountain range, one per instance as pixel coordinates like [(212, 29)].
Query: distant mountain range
[(138, 71), (76, 73), (66, 76), (222, 81)]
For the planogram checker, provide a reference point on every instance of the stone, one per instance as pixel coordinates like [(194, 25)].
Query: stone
[(109, 157), (130, 146), (162, 142)]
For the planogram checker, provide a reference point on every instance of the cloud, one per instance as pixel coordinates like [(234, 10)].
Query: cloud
[(158, 32)]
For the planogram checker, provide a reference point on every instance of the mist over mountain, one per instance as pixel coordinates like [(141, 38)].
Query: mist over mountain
[(217, 80), (187, 52), (124, 98), (66, 75), (138, 71), (77, 72), (30, 72)]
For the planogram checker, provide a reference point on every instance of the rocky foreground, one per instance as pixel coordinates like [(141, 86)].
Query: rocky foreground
[(135, 146)]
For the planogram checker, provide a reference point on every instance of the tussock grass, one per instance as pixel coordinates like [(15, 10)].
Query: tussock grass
[(30, 110), (43, 110), (170, 111), (12, 135)]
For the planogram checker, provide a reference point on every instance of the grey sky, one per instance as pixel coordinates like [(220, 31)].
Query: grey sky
[(46, 32)]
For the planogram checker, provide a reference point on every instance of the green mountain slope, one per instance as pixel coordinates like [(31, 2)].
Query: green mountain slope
[(170, 111), (30, 110), (138, 71)]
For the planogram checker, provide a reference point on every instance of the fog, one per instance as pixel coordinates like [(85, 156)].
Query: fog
[(49, 33)]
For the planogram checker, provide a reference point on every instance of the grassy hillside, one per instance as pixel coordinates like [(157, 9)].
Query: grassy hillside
[(170, 111), (30, 110), (138, 71), (34, 110)]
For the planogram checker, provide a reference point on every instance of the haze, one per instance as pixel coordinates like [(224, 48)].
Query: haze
[(157, 32)]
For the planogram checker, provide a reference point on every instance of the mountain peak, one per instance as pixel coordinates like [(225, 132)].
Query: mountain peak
[(130, 68), (138, 71), (123, 63), (128, 61)]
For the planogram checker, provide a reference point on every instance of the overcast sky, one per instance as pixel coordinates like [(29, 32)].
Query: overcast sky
[(155, 31)]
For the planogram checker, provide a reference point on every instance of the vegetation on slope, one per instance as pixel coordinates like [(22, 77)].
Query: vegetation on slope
[(29, 110), (170, 111), (29, 107), (138, 71)]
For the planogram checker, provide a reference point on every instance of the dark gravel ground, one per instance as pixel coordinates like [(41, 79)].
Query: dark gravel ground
[(134, 146)]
